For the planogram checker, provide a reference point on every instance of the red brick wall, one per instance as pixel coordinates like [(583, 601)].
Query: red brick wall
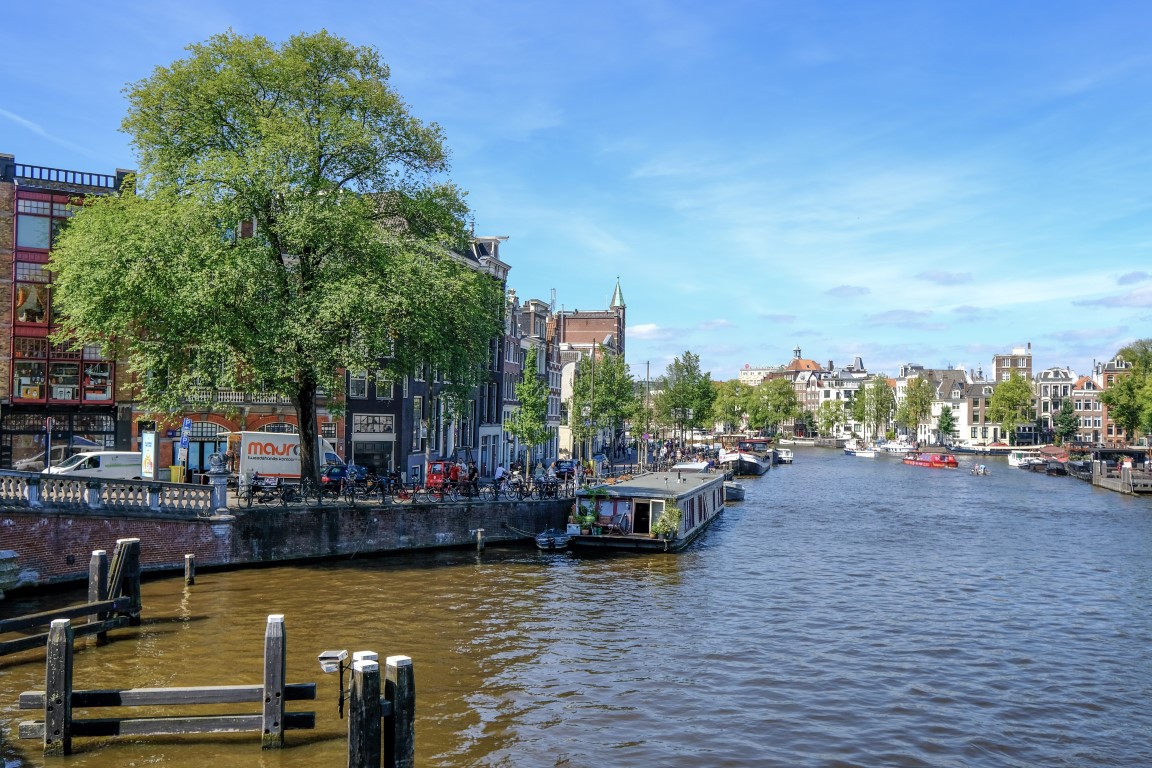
[(57, 547)]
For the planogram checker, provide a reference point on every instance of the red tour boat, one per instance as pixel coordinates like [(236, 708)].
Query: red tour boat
[(934, 460)]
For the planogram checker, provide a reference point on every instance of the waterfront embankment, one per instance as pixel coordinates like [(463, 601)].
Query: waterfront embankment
[(52, 544)]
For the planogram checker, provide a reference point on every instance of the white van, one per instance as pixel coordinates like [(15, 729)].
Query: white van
[(111, 465)]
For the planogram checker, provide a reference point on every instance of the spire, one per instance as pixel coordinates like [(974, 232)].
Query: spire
[(617, 295)]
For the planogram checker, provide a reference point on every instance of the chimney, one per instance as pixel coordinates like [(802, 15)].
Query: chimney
[(830, 365)]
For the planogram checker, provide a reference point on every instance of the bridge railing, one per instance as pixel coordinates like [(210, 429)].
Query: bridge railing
[(89, 494)]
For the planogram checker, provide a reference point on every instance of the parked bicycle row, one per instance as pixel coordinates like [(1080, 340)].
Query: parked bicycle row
[(352, 488)]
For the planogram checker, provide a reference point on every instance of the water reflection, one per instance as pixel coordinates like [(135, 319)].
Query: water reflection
[(850, 612)]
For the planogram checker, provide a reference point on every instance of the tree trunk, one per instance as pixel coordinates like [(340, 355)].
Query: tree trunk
[(304, 401)]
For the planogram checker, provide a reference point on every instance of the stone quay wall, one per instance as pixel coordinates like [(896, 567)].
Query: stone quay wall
[(54, 547)]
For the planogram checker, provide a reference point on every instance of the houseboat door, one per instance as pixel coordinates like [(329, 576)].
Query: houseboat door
[(642, 517)]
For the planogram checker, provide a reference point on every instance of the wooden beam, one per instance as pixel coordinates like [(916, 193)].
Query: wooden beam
[(155, 697), (35, 641), (18, 623), (167, 726)]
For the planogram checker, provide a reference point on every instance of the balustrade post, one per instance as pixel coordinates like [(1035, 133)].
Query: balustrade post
[(154, 492), (32, 490), (93, 498)]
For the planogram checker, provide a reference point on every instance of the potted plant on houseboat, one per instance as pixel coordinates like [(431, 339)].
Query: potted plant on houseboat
[(668, 524)]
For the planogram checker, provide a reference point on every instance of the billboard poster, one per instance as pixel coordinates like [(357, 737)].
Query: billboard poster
[(148, 455)]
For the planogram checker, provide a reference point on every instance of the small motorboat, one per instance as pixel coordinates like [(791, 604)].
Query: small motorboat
[(733, 491), (552, 540), (979, 469)]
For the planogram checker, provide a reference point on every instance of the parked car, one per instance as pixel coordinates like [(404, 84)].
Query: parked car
[(334, 473), (566, 469)]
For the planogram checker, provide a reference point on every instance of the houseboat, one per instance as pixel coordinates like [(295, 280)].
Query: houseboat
[(1024, 457), (640, 514), (934, 460), (748, 456)]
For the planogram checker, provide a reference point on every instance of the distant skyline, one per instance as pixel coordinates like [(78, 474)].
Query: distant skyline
[(904, 182)]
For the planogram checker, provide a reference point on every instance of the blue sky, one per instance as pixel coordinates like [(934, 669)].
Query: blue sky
[(907, 182)]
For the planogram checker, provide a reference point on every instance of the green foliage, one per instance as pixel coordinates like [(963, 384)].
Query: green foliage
[(828, 415), (874, 405), (1129, 399), (1011, 405), (1066, 423), (730, 404), (529, 422), (946, 423), (605, 386), (686, 394), (771, 402), (917, 404), (351, 259), (669, 522)]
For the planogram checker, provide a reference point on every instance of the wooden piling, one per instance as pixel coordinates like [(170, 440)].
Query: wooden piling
[(98, 589), (400, 723), (58, 690), (364, 711), (274, 675), (189, 570), (480, 540)]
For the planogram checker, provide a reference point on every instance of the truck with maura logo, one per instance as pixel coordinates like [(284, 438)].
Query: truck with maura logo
[(273, 454)]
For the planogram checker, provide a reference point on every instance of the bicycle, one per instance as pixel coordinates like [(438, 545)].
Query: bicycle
[(436, 494), (262, 490)]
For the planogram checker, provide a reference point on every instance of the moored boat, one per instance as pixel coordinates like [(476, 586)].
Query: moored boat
[(783, 455), (934, 460), (552, 540), (749, 456), (657, 511), (859, 449), (733, 491), (1019, 457)]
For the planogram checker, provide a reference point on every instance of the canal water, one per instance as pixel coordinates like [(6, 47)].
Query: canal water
[(850, 612)]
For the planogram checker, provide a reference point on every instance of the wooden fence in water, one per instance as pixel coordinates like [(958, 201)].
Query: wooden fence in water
[(113, 601)]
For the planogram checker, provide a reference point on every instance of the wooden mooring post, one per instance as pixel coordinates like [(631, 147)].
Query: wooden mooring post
[(58, 701), (400, 723), (381, 728), (480, 540), (113, 588), (189, 570)]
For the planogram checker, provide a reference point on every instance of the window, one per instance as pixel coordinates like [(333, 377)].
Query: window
[(358, 384), (328, 430), (419, 426), (383, 386), (28, 380), (31, 303)]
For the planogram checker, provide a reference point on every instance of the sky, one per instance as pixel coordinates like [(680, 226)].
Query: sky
[(905, 182)]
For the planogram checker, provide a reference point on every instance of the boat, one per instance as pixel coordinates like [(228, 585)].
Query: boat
[(748, 456), (552, 540), (1019, 457), (653, 512), (862, 450), (733, 491), (934, 460), (783, 455), (897, 447), (979, 469)]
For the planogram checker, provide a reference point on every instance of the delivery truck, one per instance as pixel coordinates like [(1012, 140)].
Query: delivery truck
[(273, 454)]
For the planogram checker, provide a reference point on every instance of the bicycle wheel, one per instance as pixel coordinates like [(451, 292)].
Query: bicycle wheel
[(290, 494), (487, 493)]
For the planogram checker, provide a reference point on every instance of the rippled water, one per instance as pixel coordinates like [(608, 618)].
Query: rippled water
[(851, 612)]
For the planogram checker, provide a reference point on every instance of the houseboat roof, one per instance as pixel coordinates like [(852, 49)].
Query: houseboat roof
[(657, 485)]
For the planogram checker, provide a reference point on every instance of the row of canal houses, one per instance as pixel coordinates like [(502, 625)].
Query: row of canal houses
[(967, 393), (81, 399)]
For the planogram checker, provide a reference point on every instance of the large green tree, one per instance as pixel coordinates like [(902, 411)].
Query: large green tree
[(603, 384), (874, 405), (529, 422), (291, 222), (1011, 405), (916, 407), (771, 403), (730, 405), (946, 424), (1066, 422), (828, 415), (686, 395), (1129, 399)]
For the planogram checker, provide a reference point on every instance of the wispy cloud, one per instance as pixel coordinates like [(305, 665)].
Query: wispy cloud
[(1132, 278), (712, 325), (651, 332), (905, 318), (848, 291), (946, 278), (1141, 297), (1088, 334), (39, 130)]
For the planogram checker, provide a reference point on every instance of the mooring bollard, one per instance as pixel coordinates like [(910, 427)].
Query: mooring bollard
[(275, 671), (58, 690), (189, 570), (479, 539), (364, 711), (400, 723), (98, 588)]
